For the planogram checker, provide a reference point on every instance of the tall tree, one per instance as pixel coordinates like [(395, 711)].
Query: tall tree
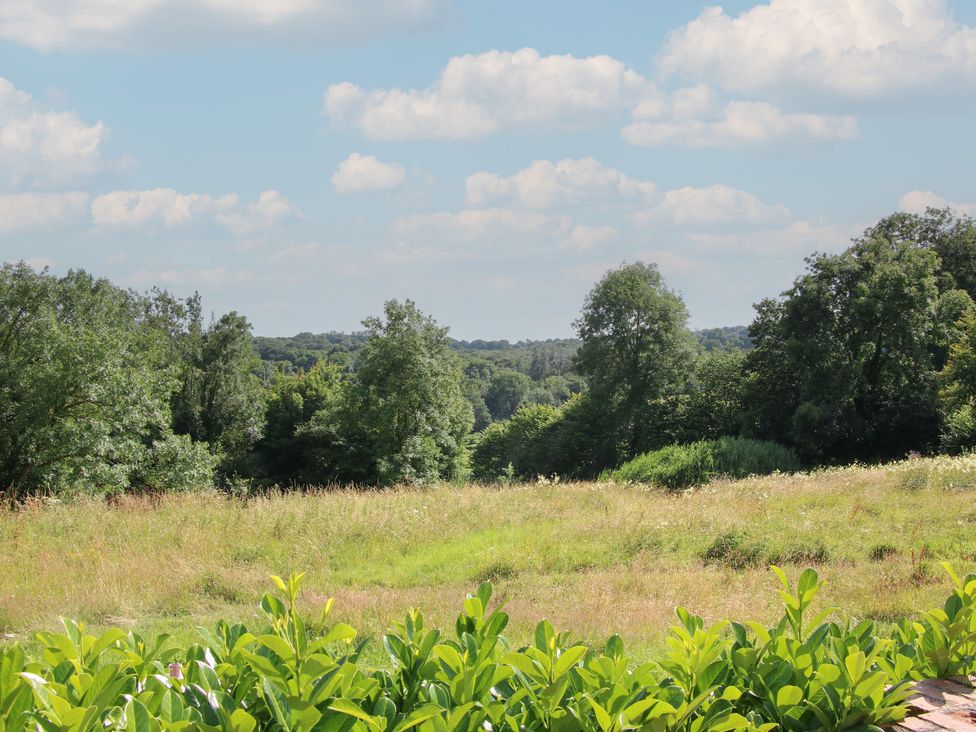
[(85, 383), (636, 351), (843, 361), (411, 403)]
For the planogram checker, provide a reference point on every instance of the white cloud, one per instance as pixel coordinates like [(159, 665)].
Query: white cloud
[(848, 48), (545, 184), (708, 206), (33, 211), (67, 25), (365, 173), (166, 208), (799, 237), (918, 201), (737, 124), (40, 146), (268, 211), (477, 95), (156, 207)]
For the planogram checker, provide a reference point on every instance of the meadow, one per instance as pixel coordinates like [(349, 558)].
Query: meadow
[(593, 558)]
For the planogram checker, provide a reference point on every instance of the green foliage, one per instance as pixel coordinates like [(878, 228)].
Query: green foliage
[(85, 383), (682, 466), (740, 457), (409, 399), (299, 675), (636, 351), (673, 467), (519, 442), (716, 393), (506, 391), (843, 363)]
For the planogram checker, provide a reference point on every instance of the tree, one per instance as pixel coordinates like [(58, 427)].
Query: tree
[(220, 399), (715, 396), (85, 383), (505, 393), (307, 434), (635, 354), (410, 400), (842, 365)]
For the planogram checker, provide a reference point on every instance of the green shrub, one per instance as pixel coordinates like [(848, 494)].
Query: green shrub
[(959, 430), (683, 466), (673, 467), (306, 675), (739, 457)]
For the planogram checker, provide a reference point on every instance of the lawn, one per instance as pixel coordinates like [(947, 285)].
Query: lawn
[(594, 558)]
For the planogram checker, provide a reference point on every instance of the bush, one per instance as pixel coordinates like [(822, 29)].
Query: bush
[(959, 430), (304, 674), (739, 457), (683, 466), (673, 467)]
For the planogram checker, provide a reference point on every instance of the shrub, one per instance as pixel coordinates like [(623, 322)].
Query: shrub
[(959, 430), (683, 466), (673, 467), (739, 457), (305, 674)]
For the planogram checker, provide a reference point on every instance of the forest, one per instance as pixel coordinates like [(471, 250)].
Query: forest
[(870, 355)]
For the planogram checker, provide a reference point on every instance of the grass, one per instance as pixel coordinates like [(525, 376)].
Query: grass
[(594, 558)]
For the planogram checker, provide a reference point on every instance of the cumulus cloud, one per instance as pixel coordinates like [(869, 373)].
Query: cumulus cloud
[(40, 211), (166, 208), (918, 201), (69, 25), (44, 147), (366, 173), (736, 124), (477, 95), (268, 211), (707, 206), (545, 184), (846, 48), (156, 207)]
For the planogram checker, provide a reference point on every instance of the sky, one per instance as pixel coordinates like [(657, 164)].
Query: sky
[(302, 161)]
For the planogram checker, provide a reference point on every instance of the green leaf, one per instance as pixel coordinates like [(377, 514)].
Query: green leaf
[(789, 696), (569, 658)]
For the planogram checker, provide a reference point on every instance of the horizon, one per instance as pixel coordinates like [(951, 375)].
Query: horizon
[(304, 163)]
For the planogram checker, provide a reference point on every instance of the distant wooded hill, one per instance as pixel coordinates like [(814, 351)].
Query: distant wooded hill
[(551, 356)]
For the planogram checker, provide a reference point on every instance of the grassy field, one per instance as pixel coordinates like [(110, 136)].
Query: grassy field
[(593, 558)]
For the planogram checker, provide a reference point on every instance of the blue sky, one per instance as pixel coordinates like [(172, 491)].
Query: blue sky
[(301, 161)]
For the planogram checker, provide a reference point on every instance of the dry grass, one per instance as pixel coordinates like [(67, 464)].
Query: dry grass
[(593, 558)]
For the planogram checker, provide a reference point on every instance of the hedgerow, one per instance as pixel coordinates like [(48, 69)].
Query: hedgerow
[(802, 673)]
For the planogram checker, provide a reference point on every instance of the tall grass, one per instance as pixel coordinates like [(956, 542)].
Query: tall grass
[(597, 557)]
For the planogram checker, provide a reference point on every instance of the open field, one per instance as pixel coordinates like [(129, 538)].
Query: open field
[(593, 558)]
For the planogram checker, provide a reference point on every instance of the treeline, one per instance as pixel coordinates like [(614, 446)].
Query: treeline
[(870, 355), (498, 376)]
